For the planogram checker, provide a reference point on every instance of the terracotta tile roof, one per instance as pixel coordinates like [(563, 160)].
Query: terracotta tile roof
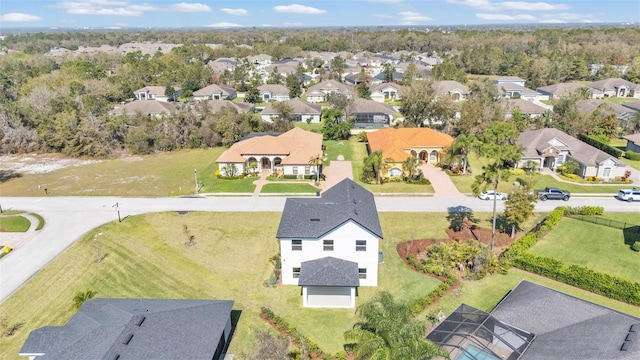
[(397, 143), (296, 144)]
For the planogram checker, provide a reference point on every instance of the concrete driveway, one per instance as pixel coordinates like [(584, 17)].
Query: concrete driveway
[(441, 182), (336, 172)]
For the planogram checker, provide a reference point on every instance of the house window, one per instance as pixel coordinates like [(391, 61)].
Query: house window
[(606, 173), (296, 245), (362, 273), (395, 172), (296, 272), (307, 170), (560, 160), (361, 245), (295, 170), (327, 245)]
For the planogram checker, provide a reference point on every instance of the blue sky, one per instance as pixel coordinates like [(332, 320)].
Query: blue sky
[(300, 13)]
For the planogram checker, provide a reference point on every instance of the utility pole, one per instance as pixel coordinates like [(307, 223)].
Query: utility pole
[(195, 174), (118, 210)]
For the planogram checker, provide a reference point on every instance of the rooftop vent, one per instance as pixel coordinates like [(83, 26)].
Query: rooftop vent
[(625, 346), (314, 219), (140, 320), (630, 336), (355, 201), (634, 328), (127, 339)]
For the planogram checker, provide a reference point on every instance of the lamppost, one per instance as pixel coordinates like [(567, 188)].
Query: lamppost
[(118, 210), (195, 175)]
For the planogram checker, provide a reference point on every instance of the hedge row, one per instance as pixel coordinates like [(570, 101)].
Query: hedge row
[(294, 334), (579, 276), (631, 155), (421, 303), (602, 146)]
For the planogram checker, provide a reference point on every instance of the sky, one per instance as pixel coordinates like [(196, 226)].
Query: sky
[(300, 13)]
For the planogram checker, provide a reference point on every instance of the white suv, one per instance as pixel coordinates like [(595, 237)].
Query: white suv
[(629, 195)]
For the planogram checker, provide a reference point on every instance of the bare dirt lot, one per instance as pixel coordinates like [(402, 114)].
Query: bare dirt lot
[(39, 163)]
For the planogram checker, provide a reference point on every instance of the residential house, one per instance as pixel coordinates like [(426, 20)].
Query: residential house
[(215, 92), (525, 107), (385, 92), (156, 93), (287, 154), (301, 111), (633, 142), (560, 90), (633, 105), (137, 329), (370, 114), (260, 59), (551, 148), (381, 77), (517, 91), (329, 245), (318, 93), (455, 90), (616, 87), (145, 107), (275, 92), (508, 80), (397, 145), (353, 79), (221, 64), (533, 322), (606, 108), (216, 106)]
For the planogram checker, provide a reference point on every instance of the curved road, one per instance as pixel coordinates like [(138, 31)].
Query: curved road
[(68, 218)]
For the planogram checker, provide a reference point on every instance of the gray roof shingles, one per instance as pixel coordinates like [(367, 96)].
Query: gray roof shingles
[(314, 217), (566, 327), (171, 329), (329, 271), (586, 154)]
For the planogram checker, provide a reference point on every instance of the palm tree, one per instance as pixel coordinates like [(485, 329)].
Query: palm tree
[(316, 161), (461, 147), (81, 297), (387, 330)]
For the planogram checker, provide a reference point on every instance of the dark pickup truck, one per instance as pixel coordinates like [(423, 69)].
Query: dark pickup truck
[(551, 193)]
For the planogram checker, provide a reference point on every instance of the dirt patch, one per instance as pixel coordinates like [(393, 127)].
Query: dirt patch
[(40, 163)]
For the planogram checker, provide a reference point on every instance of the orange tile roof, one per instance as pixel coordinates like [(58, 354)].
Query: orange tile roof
[(396, 144), (296, 144)]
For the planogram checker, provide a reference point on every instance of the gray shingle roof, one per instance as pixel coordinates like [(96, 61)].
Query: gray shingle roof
[(329, 271), (535, 140), (314, 217), (566, 327), (170, 329)]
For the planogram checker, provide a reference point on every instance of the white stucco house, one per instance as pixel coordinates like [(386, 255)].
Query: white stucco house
[(301, 111), (385, 92), (275, 92), (287, 153), (156, 93), (329, 245), (551, 148)]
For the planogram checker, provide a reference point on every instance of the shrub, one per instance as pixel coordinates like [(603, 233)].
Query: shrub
[(599, 145), (631, 155), (636, 246), (553, 218), (517, 172), (584, 210)]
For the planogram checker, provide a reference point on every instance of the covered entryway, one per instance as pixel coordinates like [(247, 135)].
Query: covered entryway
[(266, 163), (423, 155), (329, 282)]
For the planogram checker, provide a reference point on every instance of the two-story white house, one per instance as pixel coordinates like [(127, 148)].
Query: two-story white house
[(329, 245)]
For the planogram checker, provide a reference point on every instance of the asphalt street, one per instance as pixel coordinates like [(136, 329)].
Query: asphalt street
[(68, 218)]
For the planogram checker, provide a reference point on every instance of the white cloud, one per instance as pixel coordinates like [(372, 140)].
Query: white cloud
[(298, 9), (412, 17), (224, 25), (190, 7), (505, 17), (509, 5), (19, 17), (100, 7), (568, 17), (239, 12)]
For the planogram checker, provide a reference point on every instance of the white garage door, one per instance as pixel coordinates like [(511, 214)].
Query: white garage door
[(329, 296)]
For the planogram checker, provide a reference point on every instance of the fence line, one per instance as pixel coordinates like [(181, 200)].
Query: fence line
[(607, 222)]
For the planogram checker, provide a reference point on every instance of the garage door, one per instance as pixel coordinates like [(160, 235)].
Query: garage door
[(327, 296)]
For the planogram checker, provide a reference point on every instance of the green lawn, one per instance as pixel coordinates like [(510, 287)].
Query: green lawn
[(338, 147), (146, 257), (14, 223), (621, 100), (595, 246), (316, 127), (283, 187)]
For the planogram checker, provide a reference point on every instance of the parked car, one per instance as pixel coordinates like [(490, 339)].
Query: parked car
[(629, 195), (552, 193), (488, 195)]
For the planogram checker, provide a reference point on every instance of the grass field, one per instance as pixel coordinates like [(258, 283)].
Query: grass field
[(14, 223), (595, 246), (283, 187)]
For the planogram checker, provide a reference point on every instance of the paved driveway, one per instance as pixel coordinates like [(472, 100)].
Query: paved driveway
[(441, 182), (336, 172)]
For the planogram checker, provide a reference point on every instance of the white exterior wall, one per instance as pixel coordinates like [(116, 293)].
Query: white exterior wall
[(314, 118), (315, 99), (344, 247), (288, 169), (328, 297)]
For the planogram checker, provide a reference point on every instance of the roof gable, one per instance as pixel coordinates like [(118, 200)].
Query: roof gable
[(396, 143), (329, 271)]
